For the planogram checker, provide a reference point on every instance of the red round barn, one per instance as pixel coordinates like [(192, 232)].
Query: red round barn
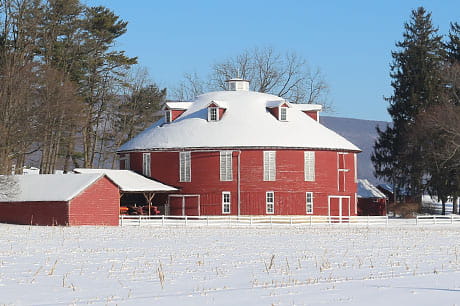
[(240, 152)]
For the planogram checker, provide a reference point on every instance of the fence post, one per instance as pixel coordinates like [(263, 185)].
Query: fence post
[(416, 220), (121, 220), (185, 220), (311, 220), (291, 220), (250, 220), (162, 220), (434, 218), (140, 220), (207, 220), (271, 224), (386, 221), (452, 219)]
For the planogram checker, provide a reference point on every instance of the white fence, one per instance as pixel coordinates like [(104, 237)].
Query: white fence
[(282, 220)]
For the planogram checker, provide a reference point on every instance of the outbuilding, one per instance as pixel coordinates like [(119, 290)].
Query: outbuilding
[(65, 199), (240, 152), (371, 201)]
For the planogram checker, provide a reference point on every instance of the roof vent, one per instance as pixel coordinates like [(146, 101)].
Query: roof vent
[(237, 84)]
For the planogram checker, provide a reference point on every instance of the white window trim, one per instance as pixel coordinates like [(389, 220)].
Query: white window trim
[(309, 166), (168, 116), (281, 108), (210, 109), (224, 204), (226, 166), (185, 165), (344, 170), (146, 164), (356, 167), (269, 163), (126, 159), (268, 204), (309, 204)]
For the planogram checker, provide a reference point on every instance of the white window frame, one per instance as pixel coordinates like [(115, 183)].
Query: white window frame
[(210, 114), (309, 203), (270, 202), (283, 109), (168, 116), (185, 173), (309, 166), (226, 202), (226, 166), (344, 170), (146, 164), (126, 159), (269, 166)]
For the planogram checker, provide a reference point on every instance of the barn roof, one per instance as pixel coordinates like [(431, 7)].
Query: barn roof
[(246, 124), (44, 187), (367, 190), (129, 181)]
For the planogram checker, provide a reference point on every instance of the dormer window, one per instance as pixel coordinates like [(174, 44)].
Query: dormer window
[(283, 113), (213, 114)]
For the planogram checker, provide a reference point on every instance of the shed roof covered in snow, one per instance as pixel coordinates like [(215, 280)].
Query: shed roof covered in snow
[(246, 123), (367, 190), (129, 181), (44, 187)]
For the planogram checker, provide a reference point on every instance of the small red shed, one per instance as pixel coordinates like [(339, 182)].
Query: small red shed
[(371, 201), (65, 199)]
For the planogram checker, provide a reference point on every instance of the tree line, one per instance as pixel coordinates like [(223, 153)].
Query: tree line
[(420, 151), (66, 94)]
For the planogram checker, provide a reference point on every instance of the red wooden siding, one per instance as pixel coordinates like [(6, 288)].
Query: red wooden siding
[(289, 187), (371, 207), (98, 204), (312, 114), (34, 213)]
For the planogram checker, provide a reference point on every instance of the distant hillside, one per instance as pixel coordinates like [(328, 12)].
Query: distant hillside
[(363, 134)]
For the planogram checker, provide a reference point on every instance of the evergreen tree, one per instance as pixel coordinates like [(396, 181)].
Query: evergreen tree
[(415, 71)]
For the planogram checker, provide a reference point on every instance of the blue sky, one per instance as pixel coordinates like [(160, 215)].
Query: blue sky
[(349, 41)]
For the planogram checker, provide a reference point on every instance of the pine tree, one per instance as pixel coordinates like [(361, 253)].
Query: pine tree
[(415, 71)]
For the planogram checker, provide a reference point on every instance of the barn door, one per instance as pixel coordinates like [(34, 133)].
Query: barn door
[(339, 207)]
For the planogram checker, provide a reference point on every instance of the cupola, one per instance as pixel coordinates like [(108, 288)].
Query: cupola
[(237, 84)]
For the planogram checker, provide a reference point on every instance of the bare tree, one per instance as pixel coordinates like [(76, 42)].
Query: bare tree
[(287, 75)]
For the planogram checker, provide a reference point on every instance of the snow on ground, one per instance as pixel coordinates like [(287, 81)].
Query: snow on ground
[(319, 265)]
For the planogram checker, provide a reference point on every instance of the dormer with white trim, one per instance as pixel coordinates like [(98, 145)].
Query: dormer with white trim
[(237, 84), (279, 109), (216, 110), (311, 110), (173, 110)]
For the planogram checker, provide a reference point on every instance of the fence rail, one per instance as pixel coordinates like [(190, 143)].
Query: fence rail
[(282, 220)]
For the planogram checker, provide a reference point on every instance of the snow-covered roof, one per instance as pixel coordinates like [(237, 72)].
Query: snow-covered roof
[(129, 181), (44, 187), (271, 104), (178, 105), (246, 124), (367, 190), (308, 107)]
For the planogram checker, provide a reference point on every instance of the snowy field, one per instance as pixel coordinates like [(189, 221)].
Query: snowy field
[(321, 265)]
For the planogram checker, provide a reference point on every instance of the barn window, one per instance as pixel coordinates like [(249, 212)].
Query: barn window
[(124, 162), (168, 116), (269, 165), (283, 113), (342, 170), (226, 173), (309, 202), (270, 202), (213, 114), (146, 164), (184, 167), (226, 200), (309, 166)]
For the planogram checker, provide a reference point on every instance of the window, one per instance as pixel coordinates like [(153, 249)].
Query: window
[(309, 202), (269, 165), (309, 165), (168, 116), (283, 113), (270, 202), (184, 167), (146, 164), (226, 202), (342, 170), (124, 162), (226, 173), (213, 114)]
